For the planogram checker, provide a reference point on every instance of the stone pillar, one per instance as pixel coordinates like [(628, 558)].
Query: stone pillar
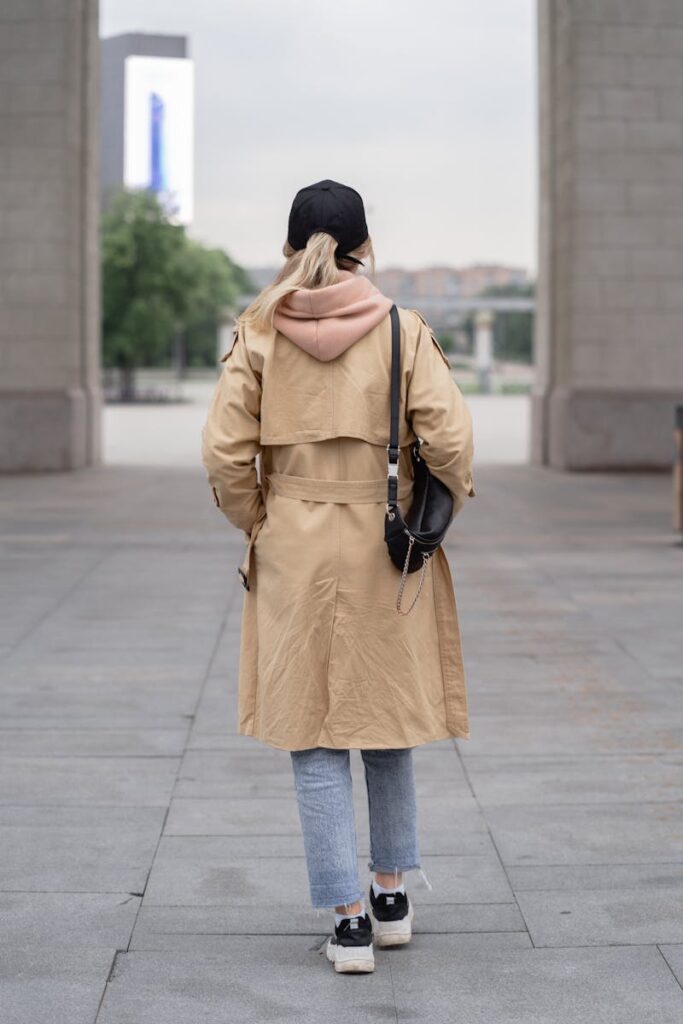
[(483, 348), (609, 324), (49, 251)]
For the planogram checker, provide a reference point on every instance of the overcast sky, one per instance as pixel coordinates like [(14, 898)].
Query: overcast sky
[(427, 107)]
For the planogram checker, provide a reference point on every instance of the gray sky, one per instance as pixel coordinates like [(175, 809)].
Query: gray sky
[(427, 107)]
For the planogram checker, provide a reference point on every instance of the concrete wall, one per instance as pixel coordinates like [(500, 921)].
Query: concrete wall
[(49, 212), (610, 306)]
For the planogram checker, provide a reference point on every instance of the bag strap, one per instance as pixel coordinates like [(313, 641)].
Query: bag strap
[(393, 449)]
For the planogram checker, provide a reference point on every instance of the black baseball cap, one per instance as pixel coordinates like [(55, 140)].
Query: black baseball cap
[(331, 207)]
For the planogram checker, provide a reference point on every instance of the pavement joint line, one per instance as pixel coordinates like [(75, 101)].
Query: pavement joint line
[(603, 864), (579, 755), (564, 891), (50, 729), (664, 957), (94, 757), (71, 807), (64, 596), (503, 866), (419, 931), (232, 903), (70, 892), (393, 990), (110, 975), (536, 804), (227, 609)]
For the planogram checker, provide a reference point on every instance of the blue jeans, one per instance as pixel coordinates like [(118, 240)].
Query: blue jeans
[(322, 778)]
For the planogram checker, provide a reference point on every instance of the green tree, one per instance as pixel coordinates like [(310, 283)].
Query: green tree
[(215, 283), (142, 300), (158, 286), (513, 332)]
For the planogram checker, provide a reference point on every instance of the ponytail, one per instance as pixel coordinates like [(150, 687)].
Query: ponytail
[(316, 266)]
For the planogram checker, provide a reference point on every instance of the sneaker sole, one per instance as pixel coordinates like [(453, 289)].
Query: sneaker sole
[(393, 933), (351, 959)]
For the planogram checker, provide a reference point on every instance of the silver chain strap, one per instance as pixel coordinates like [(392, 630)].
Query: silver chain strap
[(404, 575)]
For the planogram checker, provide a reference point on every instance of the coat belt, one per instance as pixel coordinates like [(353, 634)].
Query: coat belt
[(344, 492)]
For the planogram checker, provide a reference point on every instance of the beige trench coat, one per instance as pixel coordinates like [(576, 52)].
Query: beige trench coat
[(325, 657)]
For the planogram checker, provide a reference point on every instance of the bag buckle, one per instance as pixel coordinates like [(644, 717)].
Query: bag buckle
[(392, 460)]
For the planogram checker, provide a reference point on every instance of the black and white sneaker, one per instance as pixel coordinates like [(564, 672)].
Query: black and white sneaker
[(392, 913), (350, 948)]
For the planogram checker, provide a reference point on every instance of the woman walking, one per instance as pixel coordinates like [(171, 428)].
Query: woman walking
[(327, 663)]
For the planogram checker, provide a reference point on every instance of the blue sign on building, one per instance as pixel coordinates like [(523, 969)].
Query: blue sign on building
[(158, 176)]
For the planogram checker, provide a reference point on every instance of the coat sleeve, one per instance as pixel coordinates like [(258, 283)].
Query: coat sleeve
[(231, 439), (440, 417)]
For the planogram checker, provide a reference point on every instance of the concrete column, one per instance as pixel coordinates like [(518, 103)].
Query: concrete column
[(609, 324), (49, 252), (483, 348)]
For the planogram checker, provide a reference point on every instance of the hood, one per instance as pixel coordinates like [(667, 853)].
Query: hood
[(326, 321)]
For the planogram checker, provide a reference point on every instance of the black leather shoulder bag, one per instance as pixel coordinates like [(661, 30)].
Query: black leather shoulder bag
[(411, 541)]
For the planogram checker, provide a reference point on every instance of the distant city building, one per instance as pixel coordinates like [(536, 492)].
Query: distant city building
[(412, 288), (408, 286), (444, 295), (448, 282), (148, 119)]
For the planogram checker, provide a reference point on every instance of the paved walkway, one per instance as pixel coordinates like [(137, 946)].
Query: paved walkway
[(151, 866)]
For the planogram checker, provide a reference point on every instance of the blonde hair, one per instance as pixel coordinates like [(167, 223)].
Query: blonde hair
[(316, 266)]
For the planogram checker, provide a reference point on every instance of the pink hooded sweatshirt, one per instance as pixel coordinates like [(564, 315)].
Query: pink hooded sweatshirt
[(326, 321)]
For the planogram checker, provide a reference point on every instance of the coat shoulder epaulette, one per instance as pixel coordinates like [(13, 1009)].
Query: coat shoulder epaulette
[(235, 335)]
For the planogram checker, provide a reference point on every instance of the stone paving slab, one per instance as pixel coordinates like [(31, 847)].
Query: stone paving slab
[(105, 855), (584, 877), (78, 694), (82, 816), (604, 917), (66, 920), (596, 692), (58, 723), (261, 979), (119, 742), (577, 733), (104, 781), (39, 986), (588, 834), (627, 985), (613, 778), (234, 773)]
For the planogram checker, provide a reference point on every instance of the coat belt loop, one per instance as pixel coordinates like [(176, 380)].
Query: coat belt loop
[(244, 569)]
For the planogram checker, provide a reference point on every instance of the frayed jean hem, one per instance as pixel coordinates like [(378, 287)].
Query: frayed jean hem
[(327, 902), (394, 869)]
